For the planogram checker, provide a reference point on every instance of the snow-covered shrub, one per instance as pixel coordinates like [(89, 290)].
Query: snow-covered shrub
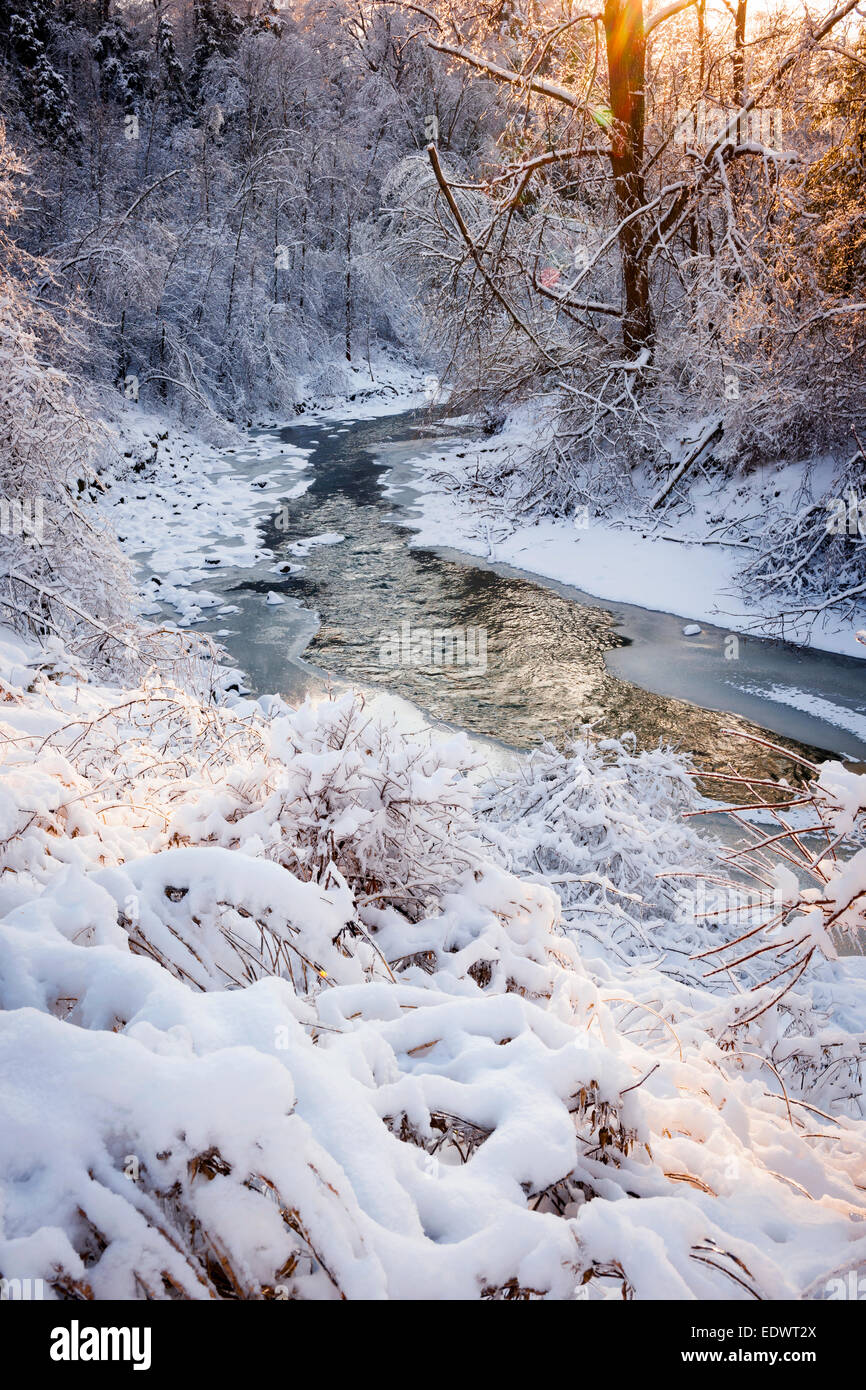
[(337, 786), (807, 893), (381, 1139), (601, 820), (217, 920), (173, 1168), (327, 791), (812, 557), (602, 824)]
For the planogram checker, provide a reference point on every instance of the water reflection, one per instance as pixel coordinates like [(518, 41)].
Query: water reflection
[(545, 659)]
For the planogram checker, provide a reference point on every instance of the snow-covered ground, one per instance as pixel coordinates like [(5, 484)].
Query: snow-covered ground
[(681, 564), (282, 1015), (365, 392), (188, 509)]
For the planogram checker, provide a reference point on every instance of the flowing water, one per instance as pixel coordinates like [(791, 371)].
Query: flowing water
[(555, 658)]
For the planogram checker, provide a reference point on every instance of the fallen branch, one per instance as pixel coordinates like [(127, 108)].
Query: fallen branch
[(708, 437), (73, 608)]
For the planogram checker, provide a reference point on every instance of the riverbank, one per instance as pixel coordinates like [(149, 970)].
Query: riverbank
[(680, 564), (181, 504)]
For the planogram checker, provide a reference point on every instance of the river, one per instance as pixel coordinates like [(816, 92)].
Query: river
[(555, 657)]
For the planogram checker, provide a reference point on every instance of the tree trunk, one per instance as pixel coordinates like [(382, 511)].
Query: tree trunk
[(702, 38), (626, 59), (348, 284), (739, 64)]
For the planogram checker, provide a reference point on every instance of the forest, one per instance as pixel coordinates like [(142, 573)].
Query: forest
[(432, 615)]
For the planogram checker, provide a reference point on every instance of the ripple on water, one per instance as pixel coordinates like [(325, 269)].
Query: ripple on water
[(544, 673)]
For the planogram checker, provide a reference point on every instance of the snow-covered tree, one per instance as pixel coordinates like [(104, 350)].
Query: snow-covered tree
[(61, 570)]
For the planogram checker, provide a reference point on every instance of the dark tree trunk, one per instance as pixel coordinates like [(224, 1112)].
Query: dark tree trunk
[(349, 285), (626, 60)]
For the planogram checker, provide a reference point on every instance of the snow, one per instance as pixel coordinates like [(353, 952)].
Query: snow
[(302, 548), (193, 509), (308, 1015), (385, 387), (666, 565), (831, 713)]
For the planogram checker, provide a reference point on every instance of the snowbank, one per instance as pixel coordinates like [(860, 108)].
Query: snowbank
[(348, 391), (687, 563)]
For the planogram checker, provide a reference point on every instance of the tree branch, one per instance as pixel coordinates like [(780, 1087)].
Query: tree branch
[(476, 254), (667, 13), (498, 74)]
